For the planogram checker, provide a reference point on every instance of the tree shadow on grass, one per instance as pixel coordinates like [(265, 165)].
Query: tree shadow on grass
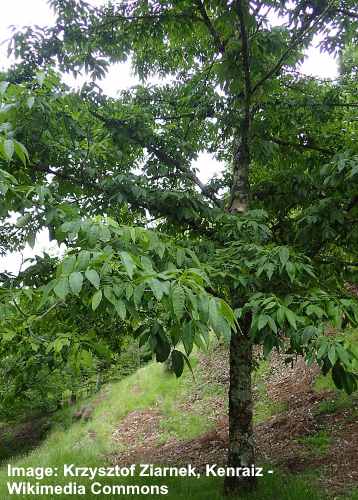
[(17, 439)]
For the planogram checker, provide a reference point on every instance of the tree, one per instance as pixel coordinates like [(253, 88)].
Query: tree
[(260, 254)]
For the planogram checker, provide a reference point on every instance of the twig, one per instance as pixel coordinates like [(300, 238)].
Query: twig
[(294, 43), (218, 42)]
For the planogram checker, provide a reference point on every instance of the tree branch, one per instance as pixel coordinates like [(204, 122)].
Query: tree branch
[(153, 200), (218, 42), (162, 156), (240, 189), (305, 29), (297, 145), (245, 53)]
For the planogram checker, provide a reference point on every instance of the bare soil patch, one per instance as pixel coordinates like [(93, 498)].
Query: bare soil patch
[(279, 439)]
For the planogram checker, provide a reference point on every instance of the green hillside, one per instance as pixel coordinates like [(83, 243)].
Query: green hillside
[(153, 417)]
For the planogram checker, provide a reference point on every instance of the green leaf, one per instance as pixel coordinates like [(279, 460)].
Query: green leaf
[(223, 329), (40, 77), (291, 271), (21, 152), (143, 339), (199, 341), (9, 148), (187, 337), (60, 343), (76, 282), (322, 350), (349, 382), (291, 318), (269, 344), (280, 316), (132, 232), (309, 333), (109, 294), (214, 315), (178, 362), (46, 291), (23, 220), (146, 263), (96, 299), (156, 288), (8, 335), (61, 288), (128, 291), (85, 358), (284, 254), (3, 86), (178, 301), (68, 264), (30, 101), (92, 233), (7, 177), (138, 294), (128, 263), (120, 309), (104, 234), (180, 256), (227, 312), (93, 277), (262, 321), (272, 324), (343, 354), (162, 348), (269, 269), (315, 310), (332, 355), (83, 259), (194, 311), (186, 359), (31, 239)]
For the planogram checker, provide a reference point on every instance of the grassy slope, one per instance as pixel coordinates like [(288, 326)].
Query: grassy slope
[(149, 387)]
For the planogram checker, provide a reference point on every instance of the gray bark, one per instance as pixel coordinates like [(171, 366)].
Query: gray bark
[(241, 437)]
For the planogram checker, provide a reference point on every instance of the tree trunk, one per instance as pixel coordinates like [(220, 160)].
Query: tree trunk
[(241, 439), (239, 196), (241, 436)]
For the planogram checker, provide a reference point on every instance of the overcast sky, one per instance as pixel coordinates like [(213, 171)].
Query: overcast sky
[(30, 12)]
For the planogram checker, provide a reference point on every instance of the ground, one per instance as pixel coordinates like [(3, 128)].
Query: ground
[(306, 431), (310, 430)]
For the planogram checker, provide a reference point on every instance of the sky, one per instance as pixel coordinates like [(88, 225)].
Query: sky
[(29, 12)]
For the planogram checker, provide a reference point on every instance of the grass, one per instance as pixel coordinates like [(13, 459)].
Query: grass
[(90, 443), (74, 444), (265, 407), (352, 495), (187, 423), (317, 444), (338, 400), (273, 487)]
